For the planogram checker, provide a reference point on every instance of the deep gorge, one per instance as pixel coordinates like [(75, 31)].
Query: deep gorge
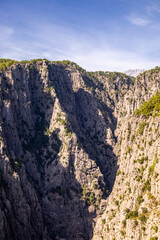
[(76, 161)]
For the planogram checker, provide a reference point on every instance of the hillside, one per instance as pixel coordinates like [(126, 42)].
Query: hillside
[(79, 155)]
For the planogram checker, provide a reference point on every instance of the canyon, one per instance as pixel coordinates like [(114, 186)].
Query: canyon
[(79, 153)]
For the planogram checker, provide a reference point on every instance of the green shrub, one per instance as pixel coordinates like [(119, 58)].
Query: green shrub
[(5, 63), (155, 228), (147, 186), (132, 138), (118, 172), (132, 214), (151, 169), (144, 210), (141, 127), (143, 218), (124, 223), (151, 107), (135, 222), (140, 199), (141, 160), (107, 228), (103, 221), (123, 232), (117, 202), (129, 149), (92, 198), (150, 142), (94, 186)]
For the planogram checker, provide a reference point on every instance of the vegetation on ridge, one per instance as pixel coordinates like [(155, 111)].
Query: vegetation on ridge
[(5, 63), (112, 76), (151, 107)]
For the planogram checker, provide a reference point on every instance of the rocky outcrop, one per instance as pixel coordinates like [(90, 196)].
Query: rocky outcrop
[(73, 162)]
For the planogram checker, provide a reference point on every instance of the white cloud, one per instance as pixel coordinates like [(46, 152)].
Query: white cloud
[(91, 51), (139, 21)]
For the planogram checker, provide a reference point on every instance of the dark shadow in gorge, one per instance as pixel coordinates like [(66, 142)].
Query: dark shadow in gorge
[(94, 142), (23, 137), (82, 110), (84, 118), (71, 217), (63, 211), (59, 209)]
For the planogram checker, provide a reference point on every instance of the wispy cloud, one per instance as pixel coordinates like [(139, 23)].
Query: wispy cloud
[(92, 51), (107, 42), (152, 8), (139, 21)]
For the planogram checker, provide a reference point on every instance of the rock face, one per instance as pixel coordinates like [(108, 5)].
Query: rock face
[(134, 72), (74, 161)]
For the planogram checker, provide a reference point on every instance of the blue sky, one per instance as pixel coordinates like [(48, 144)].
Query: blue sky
[(113, 35)]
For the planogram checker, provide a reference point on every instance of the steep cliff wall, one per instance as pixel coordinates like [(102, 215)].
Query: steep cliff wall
[(133, 208), (74, 161)]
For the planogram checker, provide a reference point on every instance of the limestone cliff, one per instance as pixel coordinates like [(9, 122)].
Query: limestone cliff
[(133, 208), (75, 160)]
